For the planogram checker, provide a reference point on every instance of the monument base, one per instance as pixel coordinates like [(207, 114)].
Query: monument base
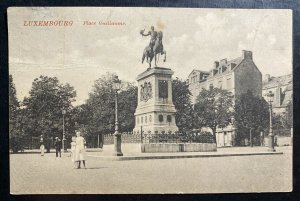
[(155, 112)]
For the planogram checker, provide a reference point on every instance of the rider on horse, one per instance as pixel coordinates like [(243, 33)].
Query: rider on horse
[(153, 35), (155, 46)]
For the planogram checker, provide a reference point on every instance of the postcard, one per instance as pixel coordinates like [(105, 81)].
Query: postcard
[(115, 100)]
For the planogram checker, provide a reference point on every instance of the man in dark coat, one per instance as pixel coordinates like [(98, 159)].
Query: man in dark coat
[(58, 145)]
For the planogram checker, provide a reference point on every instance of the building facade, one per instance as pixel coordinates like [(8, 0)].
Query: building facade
[(282, 88), (237, 76)]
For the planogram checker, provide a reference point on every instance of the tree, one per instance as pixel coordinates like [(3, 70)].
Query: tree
[(43, 108), (278, 121), (213, 108), (181, 96), (13, 101), (250, 112), (283, 122), (127, 105), (98, 115), (15, 118)]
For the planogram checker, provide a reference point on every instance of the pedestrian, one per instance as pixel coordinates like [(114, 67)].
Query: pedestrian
[(79, 150), (57, 145), (73, 147), (275, 141), (42, 148)]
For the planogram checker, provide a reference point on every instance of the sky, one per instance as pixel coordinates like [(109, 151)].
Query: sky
[(193, 38)]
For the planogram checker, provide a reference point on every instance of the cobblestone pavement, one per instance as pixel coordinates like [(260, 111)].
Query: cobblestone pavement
[(34, 174)]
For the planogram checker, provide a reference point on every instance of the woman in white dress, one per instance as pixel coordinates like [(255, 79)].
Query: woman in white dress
[(79, 150), (73, 145)]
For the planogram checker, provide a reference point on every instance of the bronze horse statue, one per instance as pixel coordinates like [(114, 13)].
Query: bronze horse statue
[(157, 49)]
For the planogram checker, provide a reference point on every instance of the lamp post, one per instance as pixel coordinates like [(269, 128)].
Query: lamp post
[(270, 97), (117, 135), (64, 137)]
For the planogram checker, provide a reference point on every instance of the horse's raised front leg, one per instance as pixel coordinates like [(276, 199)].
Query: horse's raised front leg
[(165, 53), (155, 59)]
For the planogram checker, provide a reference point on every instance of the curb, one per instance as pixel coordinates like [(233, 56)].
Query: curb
[(125, 158)]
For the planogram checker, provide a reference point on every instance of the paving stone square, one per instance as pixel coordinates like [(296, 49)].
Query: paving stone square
[(31, 173)]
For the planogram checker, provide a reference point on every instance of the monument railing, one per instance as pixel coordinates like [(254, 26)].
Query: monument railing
[(127, 137), (161, 138), (177, 138)]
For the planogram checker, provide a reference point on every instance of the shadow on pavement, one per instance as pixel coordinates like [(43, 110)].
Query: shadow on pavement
[(93, 168)]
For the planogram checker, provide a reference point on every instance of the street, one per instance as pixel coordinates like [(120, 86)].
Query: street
[(33, 174)]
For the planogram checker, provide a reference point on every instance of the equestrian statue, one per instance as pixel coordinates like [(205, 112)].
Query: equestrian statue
[(154, 48)]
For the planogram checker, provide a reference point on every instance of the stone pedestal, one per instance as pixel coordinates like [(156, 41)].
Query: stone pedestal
[(155, 111)]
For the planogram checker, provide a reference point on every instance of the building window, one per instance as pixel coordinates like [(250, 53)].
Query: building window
[(150, 118), (145, 119), (160, 118), (142, 120)]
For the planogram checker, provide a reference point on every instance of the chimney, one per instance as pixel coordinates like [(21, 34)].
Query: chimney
[(246, 54), (223, 62), (216, 64), (267, 77)]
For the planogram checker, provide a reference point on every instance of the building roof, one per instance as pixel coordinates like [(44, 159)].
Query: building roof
[(199, 71), (277, 81), (235, 61), (230, 65), (288, 88)]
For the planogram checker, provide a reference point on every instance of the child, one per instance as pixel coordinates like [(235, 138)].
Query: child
[(73, 145)]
